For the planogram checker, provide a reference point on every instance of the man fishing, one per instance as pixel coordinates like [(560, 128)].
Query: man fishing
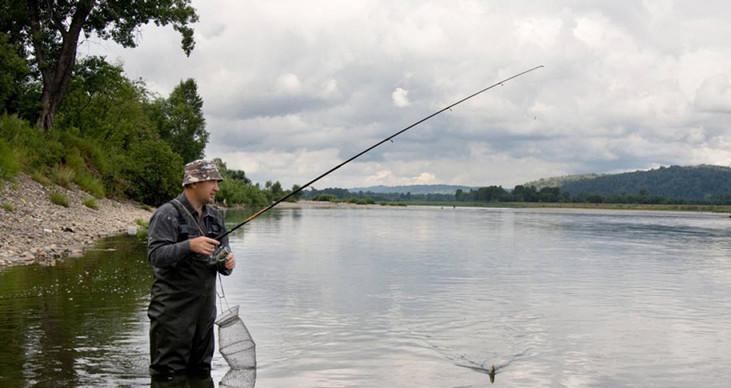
[(182, 304)]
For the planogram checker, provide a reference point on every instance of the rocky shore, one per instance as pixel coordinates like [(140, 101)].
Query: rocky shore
[(35, 230)]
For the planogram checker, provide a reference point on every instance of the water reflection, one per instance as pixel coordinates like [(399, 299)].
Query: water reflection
[(70, 324), (402, 296)]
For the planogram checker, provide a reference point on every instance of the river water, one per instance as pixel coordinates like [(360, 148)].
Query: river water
[(401, 297)]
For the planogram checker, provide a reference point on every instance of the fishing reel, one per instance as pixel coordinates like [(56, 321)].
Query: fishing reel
[(220, 255)]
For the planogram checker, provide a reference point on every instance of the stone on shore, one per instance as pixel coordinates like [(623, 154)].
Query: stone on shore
[(38, 231)]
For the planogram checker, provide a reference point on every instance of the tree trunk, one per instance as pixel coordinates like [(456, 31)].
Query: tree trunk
[(56, 72)]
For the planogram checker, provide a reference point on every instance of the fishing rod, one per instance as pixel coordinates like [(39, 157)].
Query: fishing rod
[(330, 171)]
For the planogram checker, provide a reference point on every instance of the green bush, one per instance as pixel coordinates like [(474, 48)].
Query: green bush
[(154, 172), (237, 192), (63, 175), (142, 227), (8, 207), (325, 198), (9, 165), (362, 201), (59, 199), (40, 178), (90, 184), (91, 203)]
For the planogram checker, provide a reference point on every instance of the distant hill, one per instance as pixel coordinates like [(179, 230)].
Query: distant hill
[(413, 189), (690, 183)]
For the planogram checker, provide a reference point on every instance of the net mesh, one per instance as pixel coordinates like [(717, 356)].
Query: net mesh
[(234, 340)]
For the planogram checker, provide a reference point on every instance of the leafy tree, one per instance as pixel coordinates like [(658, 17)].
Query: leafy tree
[(103, 104), (49, 33), (153, 172), (13, 69), (180, 121)]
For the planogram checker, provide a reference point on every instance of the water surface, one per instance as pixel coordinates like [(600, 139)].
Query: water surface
[(386, 296)]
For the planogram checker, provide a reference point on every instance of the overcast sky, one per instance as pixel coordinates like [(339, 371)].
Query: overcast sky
[(290, 88)]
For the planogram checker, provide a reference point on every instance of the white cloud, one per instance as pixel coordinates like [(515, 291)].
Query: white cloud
[(714, 94), (400, 97), (289, 83)]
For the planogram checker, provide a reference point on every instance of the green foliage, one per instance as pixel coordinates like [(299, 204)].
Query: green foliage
[(103, 104), (59, 199), (142, 227), (236, 192), (63, 175), (46, 34), (236, 188), (697, 184), (9, 165), (325, 198), (13, 70), (179, 120), (154, 172), (104, 140), (361, 201), (8, 207), (91, 203), (40, 178)]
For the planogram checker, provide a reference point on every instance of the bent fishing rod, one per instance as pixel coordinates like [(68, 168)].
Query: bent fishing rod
[(330, 171)]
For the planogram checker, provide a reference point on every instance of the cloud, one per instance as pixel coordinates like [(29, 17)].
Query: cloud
[(714, 94), (291, 88), (400, 97)]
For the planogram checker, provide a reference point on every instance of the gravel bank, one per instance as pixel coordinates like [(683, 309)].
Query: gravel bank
[(39, 231)]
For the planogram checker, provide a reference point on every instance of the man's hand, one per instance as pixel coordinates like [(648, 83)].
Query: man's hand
[(203, 245), (230, 263)]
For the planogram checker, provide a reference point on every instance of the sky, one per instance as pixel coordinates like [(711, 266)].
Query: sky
[(291, 88)]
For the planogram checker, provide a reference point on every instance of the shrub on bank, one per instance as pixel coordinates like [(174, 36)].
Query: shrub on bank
[(59, 199), (9, 165), (91, 203)]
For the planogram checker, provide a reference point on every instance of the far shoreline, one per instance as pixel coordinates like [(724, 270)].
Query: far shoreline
[(691, 208)]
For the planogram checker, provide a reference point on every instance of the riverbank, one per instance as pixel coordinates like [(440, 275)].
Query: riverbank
[(519, 205), (33, 229)]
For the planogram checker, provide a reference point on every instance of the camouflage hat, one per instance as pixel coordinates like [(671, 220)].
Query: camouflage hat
[(199, 171)]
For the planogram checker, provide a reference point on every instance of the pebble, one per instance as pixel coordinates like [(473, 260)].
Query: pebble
[(29, 231)]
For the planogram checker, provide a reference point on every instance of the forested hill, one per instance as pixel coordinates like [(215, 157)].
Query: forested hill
[(702, 183)]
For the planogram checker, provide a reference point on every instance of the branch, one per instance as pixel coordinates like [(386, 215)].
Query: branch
[(56, 20), (36, 34)]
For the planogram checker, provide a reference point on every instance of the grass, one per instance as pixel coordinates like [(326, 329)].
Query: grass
[(59, 199), (8, 207), (40, 178), (91, 203), (63, 175), (90, 184), (9, 165), (142, 230)]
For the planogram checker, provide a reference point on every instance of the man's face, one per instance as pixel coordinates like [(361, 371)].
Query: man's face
[(206, 191)]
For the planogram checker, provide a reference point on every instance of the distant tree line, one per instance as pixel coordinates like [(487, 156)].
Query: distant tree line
[(520, 193), (334, 193), (237, 189)]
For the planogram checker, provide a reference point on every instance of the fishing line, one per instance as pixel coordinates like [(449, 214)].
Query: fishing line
[(389, 138), (333, 169)]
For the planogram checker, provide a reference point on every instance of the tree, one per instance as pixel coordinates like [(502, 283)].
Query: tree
[(51, 31), (12, 69), (180, 121)]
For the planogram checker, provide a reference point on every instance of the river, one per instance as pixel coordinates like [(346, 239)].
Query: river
[(401, 297)]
